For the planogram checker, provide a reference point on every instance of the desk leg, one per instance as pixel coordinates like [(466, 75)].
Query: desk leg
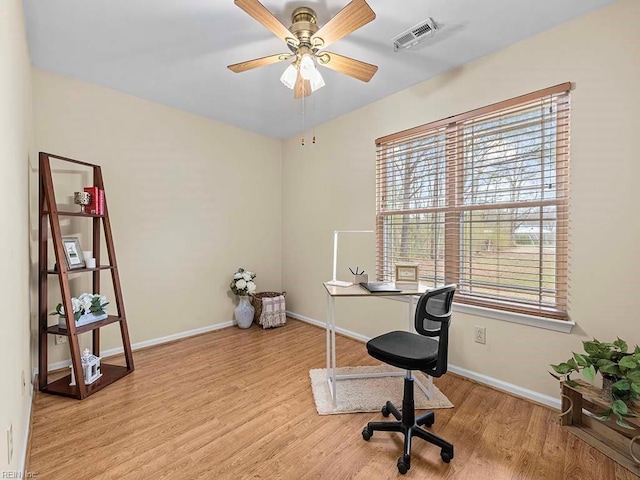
[(328, 331), (331, 347), (428, 390)]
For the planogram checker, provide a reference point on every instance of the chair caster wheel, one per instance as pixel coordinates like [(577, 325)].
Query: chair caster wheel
[(385, 411), (446, 456), (403, 465), (366, 434)]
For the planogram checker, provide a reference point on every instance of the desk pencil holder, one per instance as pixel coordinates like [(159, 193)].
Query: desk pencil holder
[(362, 278)]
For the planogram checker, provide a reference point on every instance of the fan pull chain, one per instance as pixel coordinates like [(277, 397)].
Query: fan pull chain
[(313, 107), (302, 142)]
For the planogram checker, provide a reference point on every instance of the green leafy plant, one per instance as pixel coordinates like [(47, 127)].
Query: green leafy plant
[(85, 303), (615, 362)]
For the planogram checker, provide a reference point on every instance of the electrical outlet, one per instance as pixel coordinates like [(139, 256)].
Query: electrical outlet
[(480, 334), (10, 443), (59, 339)]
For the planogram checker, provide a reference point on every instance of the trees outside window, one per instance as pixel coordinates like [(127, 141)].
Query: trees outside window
[(481, 200)]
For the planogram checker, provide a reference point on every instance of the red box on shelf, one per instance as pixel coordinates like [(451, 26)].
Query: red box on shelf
[(93, 204)]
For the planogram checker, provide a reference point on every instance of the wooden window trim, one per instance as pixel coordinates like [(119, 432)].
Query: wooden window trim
[(529, 97)]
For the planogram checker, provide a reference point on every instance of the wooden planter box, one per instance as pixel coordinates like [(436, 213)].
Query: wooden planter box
[(580, 404)]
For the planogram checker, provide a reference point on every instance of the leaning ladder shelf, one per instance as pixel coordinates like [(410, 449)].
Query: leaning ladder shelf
[(50, 222)]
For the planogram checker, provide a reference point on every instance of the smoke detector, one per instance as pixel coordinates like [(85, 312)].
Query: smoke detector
[(415, 35)]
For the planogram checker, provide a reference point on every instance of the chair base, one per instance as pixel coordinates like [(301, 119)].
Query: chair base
[(410, 427)]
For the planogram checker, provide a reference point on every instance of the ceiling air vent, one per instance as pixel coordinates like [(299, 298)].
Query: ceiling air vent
[(415, 35)]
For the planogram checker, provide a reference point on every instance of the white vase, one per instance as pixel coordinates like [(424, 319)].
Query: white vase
[(244, 312)]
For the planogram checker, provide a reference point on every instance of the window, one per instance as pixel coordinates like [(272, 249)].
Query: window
[(481, 200)]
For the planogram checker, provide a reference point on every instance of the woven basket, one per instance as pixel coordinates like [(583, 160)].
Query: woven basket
[(256, 301)]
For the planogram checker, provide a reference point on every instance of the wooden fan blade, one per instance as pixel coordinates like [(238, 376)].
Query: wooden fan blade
[(258, 11), (258, 62), (302, 88), (349, 66), (353, 16)]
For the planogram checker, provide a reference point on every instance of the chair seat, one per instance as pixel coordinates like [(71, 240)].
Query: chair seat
[(404, 350)]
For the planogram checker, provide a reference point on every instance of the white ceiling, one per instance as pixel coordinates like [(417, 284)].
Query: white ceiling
[(175, 52)]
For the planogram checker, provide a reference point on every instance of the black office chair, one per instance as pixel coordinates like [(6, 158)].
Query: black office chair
[(416, 352)]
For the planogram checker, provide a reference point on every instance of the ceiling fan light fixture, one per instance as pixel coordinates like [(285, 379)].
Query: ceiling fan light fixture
[(305, 40), (307, 66), (316, 81), (289, 76)]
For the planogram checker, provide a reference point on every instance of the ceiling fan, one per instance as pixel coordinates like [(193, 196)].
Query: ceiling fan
[(306, 42)]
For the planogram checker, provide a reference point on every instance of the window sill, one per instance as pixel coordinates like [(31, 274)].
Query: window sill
[(563, 326)]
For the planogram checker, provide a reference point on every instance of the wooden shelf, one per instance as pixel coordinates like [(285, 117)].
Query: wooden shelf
[(580, 404), (79, 270), (74, 214), (110, 373), (50, 230), (56, 330)]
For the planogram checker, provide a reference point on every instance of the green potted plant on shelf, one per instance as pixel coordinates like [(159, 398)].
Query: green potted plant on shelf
[(620, 370), (87, 308)]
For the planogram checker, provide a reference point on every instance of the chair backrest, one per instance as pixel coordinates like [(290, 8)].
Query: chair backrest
[(433, 316)]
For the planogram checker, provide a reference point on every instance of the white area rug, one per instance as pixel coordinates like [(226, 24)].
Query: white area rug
[(369, 394)]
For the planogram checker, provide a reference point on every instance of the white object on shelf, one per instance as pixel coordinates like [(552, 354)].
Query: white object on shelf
[(85, 319), (90, 368)]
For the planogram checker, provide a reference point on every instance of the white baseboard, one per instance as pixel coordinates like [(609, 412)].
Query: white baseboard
[(146, 343), (25, 440), (463, 372), (317, 323), (507, 387)]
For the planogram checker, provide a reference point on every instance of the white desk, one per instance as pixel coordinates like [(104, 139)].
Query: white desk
[(358, 291)]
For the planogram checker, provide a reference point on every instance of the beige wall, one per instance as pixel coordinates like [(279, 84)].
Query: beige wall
[(15, 143), (331, 185), (190, 201)]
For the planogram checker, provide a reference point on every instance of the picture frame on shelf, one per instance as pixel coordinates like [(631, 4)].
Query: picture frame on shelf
[(407, 273), (73, 252)]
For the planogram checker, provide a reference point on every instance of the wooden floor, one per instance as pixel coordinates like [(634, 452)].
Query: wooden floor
[(237, 404)]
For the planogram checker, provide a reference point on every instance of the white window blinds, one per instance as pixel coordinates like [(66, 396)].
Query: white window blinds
[(481, 200)]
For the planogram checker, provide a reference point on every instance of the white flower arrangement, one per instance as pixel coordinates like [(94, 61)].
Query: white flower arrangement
[(242, 283), (85, 303)]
